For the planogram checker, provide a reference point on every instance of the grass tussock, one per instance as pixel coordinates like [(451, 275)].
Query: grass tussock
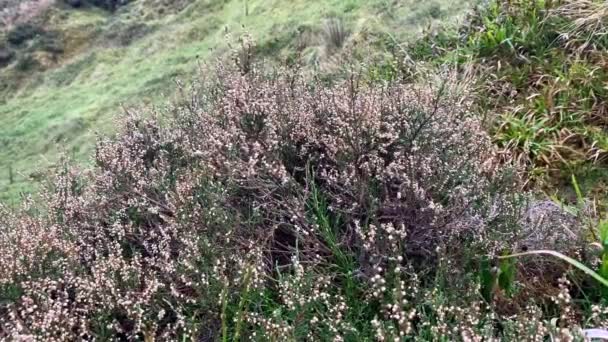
[(542, 67)]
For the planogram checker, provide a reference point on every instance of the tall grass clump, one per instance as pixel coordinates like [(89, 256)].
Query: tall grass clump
[(263, 206), (542, 71)]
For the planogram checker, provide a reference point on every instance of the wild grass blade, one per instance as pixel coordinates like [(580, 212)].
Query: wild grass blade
[(565, 258)]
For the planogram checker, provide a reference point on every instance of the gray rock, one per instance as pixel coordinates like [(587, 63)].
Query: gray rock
[(547, 225)]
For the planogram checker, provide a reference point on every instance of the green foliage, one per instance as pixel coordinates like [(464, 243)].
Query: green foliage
[(491, 279), (345, 263), (527, 134), (234, 315), (27, 63), (539, 73), (487, 279), (49, 42), (506, 275), (23, 33), (9, 293), (603, 265)]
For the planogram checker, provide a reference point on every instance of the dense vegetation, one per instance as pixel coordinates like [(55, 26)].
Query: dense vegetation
[(83, 65), (543, 76), (402, 197)]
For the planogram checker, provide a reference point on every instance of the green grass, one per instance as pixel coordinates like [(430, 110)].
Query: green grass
[(544, 93), (58, 110)]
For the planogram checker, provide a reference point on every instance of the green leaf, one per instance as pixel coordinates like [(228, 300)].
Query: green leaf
[(604, 266), (603, 230), (577, 189), (506, 277), (487, 279)]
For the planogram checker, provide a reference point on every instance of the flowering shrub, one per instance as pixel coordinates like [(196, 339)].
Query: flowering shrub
[(268, 207)]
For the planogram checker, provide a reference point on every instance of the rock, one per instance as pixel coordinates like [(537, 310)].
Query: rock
[(547, 225)]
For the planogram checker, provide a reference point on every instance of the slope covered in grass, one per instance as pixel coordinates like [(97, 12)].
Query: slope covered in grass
[(542, 82), (52, 102)]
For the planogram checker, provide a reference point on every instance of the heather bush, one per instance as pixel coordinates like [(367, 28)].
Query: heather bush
[(265, 206)]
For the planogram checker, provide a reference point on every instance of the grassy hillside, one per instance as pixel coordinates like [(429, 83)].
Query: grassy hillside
[(542, 78), (54, 101)]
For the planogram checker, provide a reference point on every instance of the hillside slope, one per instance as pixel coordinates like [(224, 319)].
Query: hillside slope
[(74, 68)]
